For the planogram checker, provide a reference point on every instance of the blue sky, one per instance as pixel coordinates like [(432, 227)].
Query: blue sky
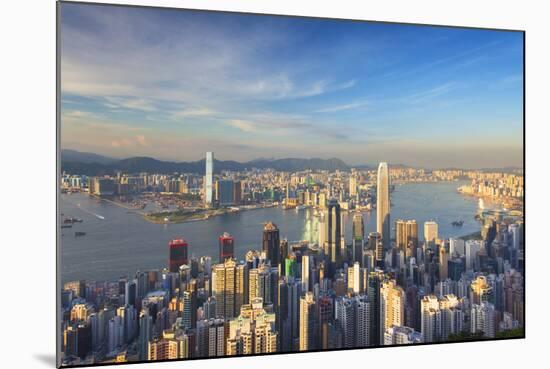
[(175, 84)]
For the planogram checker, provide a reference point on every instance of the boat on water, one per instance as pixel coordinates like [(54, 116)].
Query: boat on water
[(457, 223), (66, 226), (301, 207), (79, 234)]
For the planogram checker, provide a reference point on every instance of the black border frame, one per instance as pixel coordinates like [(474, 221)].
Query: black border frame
[(58, 167)]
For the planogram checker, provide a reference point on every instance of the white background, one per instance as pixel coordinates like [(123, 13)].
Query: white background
[(27, 185)]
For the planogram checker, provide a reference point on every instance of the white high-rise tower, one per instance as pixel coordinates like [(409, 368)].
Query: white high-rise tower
[(208, 188)]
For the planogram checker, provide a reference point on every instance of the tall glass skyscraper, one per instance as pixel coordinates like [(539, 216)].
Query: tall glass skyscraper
[(208, 178), (383, 204)]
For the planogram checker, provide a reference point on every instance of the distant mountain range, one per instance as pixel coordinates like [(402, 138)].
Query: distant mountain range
[(85, 157), (73, 161), (93, 164)]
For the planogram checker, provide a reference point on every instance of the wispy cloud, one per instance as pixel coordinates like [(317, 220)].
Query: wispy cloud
[(242, 125), (339, 108), (431, 93)]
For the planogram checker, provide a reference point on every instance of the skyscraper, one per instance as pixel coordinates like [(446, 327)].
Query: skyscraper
[(383, 204), (362, 329), (259, 284), (227, 246), (406, 236), (253, 331), (228, 287), (307, 322), (376, 246), (334, 230), (224, 192), (482, 319), (288, 313), (430, 233), (358, 236), (440, 317), (178, 254), (373, 293), (346, 319), (392, 306), (271, 243), (443, 263), (305, 272), (352, 186), (208, 179)]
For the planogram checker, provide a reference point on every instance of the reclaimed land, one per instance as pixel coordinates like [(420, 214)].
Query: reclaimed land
[(182, 216)]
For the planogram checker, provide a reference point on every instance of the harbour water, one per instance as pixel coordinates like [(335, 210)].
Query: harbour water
[(119, 242)]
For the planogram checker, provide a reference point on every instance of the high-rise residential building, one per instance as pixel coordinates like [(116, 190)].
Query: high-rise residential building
[(325, 316), (392, 306), (430, 234), (168, 348), (211, 337), (362, 314), (209, 180), (145, 333), (306, 268), (482, 319), (355, 280), (334, 230), (358, 231), (473, 247), (178, 254), (271, 243), (383, 225), (346, 320), (440, 317), (259, 284), (481, 290), (401, 336), (81, 312), (288, 313), (308, 331), (227, 247), (228, 287), (253, 331)]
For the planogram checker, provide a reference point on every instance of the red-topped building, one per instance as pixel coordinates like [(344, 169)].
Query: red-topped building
[(227, 247), (178, 254)]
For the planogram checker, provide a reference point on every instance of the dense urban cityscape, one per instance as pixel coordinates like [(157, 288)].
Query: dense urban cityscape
[(237, 184), (385, 286)]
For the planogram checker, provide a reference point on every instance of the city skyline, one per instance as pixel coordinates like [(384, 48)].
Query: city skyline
[(403, 223), (361, 91)]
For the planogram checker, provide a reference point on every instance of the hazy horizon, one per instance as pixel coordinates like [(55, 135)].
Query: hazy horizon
[(174, 84), (370, 164)]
